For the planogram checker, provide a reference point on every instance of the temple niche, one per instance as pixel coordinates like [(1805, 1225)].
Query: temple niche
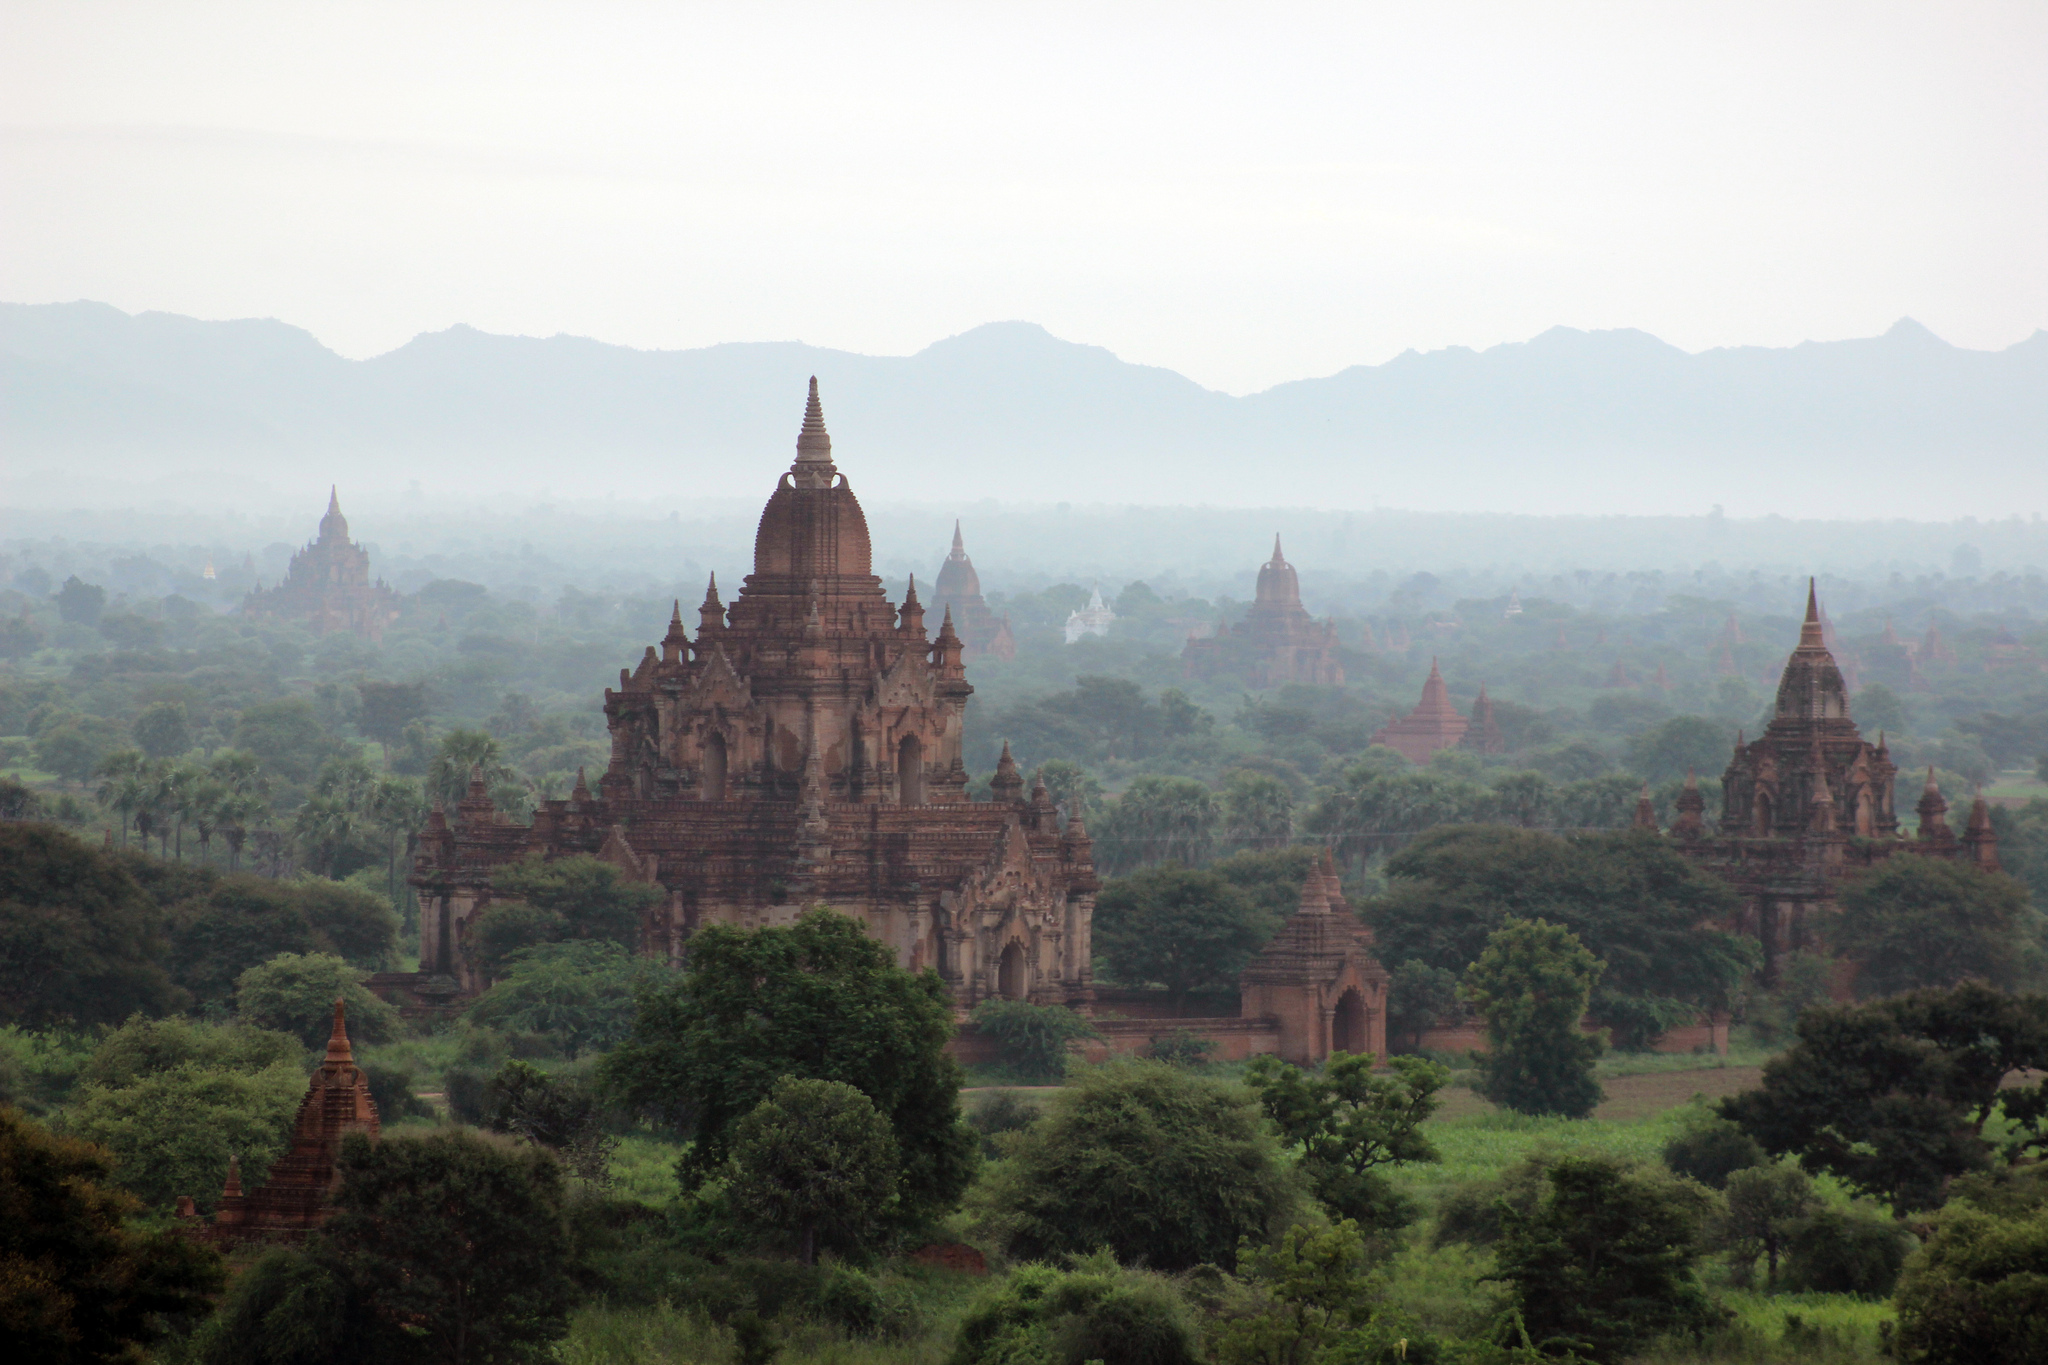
[(1809, 804), (803, 747), (958, 592), (1277, 642), (328, 587)]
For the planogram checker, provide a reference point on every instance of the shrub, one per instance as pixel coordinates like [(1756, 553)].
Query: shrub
[(1032, 1038), (1709, 1149), (1160, 1166), (1182, 1047), (999, 1112), (295, 993), (1843, 1251), (1097, 1310), (1979, 1292)]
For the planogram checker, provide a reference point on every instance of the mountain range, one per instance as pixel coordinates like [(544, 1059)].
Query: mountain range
[(1900, 425)]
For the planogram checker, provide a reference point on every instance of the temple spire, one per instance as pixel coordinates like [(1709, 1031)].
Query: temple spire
[(813, 467), (1277, 557), (959, 545), (338, 1052), (1811, 634)]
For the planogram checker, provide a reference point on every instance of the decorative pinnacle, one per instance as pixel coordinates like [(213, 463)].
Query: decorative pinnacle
[(910, 593), (333, 498), (338, 1053), (1810, 633), (959, 546), (813, 443), (1277, 559)]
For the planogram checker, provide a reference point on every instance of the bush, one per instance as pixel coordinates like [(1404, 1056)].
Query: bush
[(1032, 1038), (1160, 1166), (1709, 1149), (1182, 1047), (578, 993), (1000, 1112), (1842, 1251), (1978, 1294), (172, 1132), (295, 993), (391, 1089), (1097, 1310)]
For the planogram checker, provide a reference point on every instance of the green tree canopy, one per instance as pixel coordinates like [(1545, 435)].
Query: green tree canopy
[(162, 730), (578, 994), (172, 1131), (817, 999), (147, 1047), (295, 993), (1634, 901), (1531, 985), (286, 737), (1979, 1292), (1096, 1310), (1891, 1097), (1603, 1264), (458, 1242), (80, 1286), (1157, 820), (80, 941), (1184, 929), (1914, 922), (560, 899), (1164, 1168), (1350, 1123), (815, 1161), (1680, 745)]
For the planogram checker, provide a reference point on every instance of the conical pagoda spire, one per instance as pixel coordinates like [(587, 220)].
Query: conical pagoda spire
[(813, 467), (1811, 635), (338, 1052), (1007, 784), (1278, 558), (710, 615), (959, 545)]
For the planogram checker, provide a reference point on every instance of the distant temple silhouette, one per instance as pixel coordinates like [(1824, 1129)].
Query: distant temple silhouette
[(328, 587), (1278, 641), (1433, 724), (958, 591)]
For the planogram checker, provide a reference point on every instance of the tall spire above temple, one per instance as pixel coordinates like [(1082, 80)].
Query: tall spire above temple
[(959, 545), (333, 526), (1278, 558), (813, 467), (1811, 636)]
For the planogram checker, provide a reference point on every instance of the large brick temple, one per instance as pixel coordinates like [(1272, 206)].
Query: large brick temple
[(1277, 642), (1808, 805), (983, 634), (328, 587), (803, 747)]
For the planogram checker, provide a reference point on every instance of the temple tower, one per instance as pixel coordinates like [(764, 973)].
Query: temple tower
[(1277, 642)]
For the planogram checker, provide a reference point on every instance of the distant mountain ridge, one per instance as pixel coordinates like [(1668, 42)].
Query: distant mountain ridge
[(1571, 421)]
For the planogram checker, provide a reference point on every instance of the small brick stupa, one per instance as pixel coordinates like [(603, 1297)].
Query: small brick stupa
[(1433, 724), (299, 1195), (1319, 978)]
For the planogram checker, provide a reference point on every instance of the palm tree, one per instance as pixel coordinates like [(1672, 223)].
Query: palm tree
[(121, 790), (236, 813), (397, 808), (208, 798), (456, 756), (323, 827)]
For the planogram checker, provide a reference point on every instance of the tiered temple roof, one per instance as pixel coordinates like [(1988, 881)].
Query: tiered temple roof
[(1319, 978), (1433, 724), (958, 590)]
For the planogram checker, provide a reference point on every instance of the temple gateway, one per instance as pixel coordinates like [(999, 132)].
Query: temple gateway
[(803, 747)]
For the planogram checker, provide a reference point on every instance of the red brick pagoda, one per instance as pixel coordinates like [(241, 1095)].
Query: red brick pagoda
[(803, 748), (1433, 724), (958, 593), (298, 1196), (1809, 805), (1278, 641), (328, 585)]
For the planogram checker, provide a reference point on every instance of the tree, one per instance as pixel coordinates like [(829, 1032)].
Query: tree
[(816, 999), (80, 943), (1640, 906), (73, 746), (578, 994), (1258, 810), (1185, 930), (80, 603), (1157, 820), (1531, 985), (1162, 1167), (388, 708), (1033, 1038), (587, 896), (1710, 1149), (292, 1307), (1096, 1310), (1891, 1097), (456, 756), (815, 1161), (1979, 1292), (1270, 878), (162, 730), (226, 925), (1420, 998), (79, 1286), (1311, 1292), (1350, 1123), (21, 636), (286, 737), (565, 1116), (457, 1241), (1603, 1263), (1680, 745), (1765, 1206), (295, 993), (1915, 922), (173, 1129)]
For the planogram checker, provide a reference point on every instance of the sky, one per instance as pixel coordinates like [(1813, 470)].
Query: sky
[(1247, 194)]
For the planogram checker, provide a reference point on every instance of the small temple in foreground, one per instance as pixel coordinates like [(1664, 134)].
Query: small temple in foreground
[(1808, 805), (983, 634), (298, 1194), (327, 587), (1277, 642)]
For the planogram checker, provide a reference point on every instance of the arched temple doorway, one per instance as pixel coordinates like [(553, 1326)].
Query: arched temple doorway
[(1010, 983), (910, 771), (1347, 1023)]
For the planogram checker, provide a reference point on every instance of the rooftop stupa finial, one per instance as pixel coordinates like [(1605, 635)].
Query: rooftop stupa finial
[(813, 467)]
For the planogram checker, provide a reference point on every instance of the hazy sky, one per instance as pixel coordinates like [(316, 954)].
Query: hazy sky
[(1245, 193)]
